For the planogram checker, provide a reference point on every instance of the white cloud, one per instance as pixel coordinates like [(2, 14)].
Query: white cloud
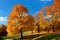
[(3, 19)]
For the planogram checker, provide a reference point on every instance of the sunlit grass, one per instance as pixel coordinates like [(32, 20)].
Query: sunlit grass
[(35, 37), (48, 37), (16, 36)]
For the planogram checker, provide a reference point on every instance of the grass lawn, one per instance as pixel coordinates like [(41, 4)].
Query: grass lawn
[(25, 34), (29, 36), (48, 37)]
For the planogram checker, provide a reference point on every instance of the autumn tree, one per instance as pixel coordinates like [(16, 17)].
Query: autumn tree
[(14, 18), (51, 10), (39, 18), (3, 29), (19, 20), (54, 10), (38, 27)]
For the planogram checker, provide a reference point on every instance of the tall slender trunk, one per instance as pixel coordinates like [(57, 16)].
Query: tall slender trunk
[(38, 29), (21, 35), (53, 29)]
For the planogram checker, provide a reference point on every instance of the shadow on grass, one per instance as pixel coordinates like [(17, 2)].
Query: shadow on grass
[(1, 38), (32, 36)]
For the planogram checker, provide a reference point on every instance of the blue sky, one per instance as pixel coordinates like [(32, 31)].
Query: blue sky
[(33, 6)]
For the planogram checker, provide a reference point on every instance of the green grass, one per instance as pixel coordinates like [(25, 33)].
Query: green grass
[(35, 36), (15, 36), (48, 37)]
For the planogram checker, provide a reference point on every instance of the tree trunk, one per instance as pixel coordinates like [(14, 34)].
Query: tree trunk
[(48, 30), (53, 29), (32, 31), (21, 35), (38, 29)]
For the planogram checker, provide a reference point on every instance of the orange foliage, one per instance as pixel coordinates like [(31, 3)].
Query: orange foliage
[(16, 21), (13, 19), (2, 29), (17, 9), (53, 10)]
